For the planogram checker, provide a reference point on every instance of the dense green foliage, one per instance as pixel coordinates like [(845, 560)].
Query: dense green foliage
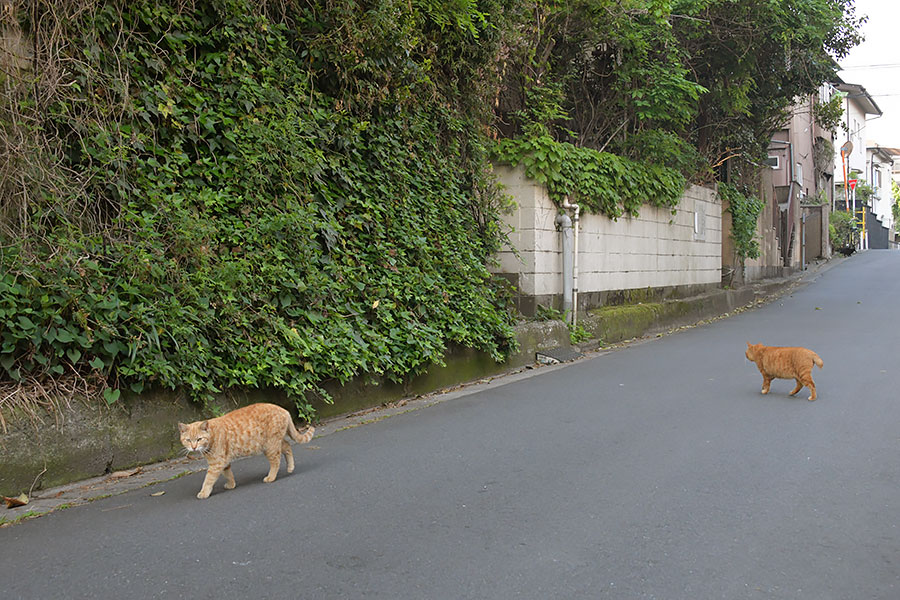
[(744, 208), (222, 197), (844, 226), (596, 102), (689, 84), (755, 57), (843, 231), (829, 114)]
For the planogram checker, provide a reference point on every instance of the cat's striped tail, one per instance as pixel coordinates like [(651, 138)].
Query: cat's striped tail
[(302, 438), (816, 359)]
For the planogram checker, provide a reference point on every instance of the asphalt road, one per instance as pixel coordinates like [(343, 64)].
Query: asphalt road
[(654, 471)]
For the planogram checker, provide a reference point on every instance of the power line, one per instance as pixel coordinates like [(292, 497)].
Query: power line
[(879, 66)]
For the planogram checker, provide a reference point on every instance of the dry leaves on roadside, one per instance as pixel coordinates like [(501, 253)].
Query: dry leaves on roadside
[(124, 474), (20, 500)]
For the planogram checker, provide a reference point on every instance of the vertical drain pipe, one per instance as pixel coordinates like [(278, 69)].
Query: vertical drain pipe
[(565, 225), (577, 212)]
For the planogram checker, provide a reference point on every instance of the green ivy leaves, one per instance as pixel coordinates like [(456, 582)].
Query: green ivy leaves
[(259, 231), (600, 182), (744, 209)]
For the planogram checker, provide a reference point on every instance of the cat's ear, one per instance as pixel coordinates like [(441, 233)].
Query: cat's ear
[(749, 344), (204, 425), (182, 427)]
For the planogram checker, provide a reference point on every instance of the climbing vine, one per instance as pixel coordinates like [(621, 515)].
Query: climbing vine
[(601, 182), (744, 208)]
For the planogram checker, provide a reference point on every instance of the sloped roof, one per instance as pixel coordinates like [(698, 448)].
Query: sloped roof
[(862, 97), (887, 149), (883, 151)]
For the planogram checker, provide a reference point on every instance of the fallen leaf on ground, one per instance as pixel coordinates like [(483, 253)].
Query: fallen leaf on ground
[(20, 500), (158, 493), (124, 474)]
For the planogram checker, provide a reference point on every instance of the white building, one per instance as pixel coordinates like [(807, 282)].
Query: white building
[(858, 105), (879, 168)]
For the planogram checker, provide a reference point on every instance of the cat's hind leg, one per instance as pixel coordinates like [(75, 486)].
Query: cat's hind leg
[(808, 382), (804, 377), (229, 478), (273, 453), (288, 455), (798, 388)]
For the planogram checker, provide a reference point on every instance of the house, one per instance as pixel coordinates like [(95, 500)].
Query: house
[(879, 226), (798, 190), (858, 105)]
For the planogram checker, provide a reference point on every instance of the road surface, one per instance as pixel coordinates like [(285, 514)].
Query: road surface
[(653, 471)]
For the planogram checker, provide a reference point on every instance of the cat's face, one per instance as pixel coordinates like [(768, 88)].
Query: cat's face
[(195, 436), (751, 352)]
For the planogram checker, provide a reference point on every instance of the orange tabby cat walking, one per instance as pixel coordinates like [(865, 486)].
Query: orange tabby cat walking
[(777, 362), (255, 429)]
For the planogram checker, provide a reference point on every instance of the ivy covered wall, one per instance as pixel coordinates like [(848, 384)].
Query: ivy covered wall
[(206, 195)]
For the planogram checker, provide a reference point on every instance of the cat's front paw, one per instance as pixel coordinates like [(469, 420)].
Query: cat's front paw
[(230, 486), (203, 495)]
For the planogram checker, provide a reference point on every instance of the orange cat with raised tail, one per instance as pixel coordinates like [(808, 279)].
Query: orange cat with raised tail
[(778, 362), (255, 429)]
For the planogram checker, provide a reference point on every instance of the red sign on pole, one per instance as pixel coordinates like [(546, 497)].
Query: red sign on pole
[(852, 184)]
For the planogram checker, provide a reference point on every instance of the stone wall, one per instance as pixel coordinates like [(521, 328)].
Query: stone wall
[(673, 253)]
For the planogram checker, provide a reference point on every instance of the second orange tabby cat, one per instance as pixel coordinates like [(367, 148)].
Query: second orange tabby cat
[(778, 362)]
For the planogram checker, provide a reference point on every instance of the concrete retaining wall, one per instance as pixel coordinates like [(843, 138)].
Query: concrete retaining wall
[(87, 441), (658, 249)]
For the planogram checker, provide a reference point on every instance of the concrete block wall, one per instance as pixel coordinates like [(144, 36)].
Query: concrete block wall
[(657, 249)]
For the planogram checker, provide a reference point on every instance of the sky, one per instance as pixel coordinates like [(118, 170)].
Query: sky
[(875, 64)]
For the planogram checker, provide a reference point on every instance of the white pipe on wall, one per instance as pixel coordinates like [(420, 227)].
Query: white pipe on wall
[(565, 225), (576, 217)]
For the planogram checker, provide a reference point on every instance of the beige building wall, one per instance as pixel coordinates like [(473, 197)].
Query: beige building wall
[(658, 249), (769, 263)]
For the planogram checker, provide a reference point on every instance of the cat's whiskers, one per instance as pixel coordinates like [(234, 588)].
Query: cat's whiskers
[(189, 452)]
